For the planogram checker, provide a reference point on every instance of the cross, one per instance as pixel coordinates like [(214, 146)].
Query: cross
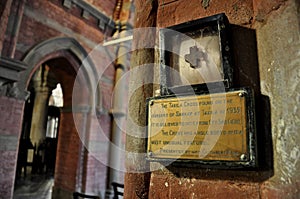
[(195, 57)]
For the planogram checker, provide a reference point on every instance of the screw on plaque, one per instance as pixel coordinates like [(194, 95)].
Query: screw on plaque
[(150, 153), (242, 94), (151, 103), (243, 157)]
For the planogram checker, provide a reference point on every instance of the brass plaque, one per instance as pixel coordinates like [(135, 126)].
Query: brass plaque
[(202, 127)]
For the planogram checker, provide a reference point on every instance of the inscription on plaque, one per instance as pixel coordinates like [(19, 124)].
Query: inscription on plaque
[(202, 127)]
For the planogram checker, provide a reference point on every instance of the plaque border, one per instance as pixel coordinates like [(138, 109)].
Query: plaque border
[(223, 26), (250, 162)]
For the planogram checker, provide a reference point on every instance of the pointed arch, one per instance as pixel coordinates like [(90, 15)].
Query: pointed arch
[(70, 49)]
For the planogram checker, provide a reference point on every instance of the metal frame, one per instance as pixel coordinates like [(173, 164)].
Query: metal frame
[(219, 22)]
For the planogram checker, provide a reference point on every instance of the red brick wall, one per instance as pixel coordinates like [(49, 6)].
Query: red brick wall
[(11, 115), (68, 152), (206, 184), (90, 176), (5, 6), (175, 12), (171, 187), (209, 183), (244, 13), (46, 19), (106, 6)]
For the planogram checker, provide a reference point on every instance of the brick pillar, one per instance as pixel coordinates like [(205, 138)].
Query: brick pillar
[(11, 111), (70, 166)]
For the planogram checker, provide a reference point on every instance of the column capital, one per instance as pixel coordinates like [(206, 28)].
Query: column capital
[(9, 75), (44, 80), (9, 70)]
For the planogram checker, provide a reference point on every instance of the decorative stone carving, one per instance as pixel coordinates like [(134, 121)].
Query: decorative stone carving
[(9, 74)]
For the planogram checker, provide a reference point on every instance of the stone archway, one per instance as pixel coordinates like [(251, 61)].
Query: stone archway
[(65, 57), (53, 48)]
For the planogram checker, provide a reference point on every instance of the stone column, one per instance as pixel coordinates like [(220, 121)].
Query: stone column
[(43, 84), (118, 111)]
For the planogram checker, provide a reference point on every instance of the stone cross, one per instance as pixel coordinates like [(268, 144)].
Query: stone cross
[(195, 57)]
